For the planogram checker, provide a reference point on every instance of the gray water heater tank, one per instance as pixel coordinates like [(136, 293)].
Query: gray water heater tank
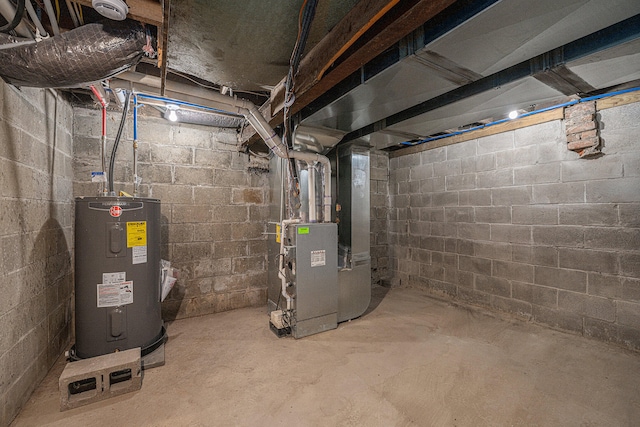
[(117, 275)]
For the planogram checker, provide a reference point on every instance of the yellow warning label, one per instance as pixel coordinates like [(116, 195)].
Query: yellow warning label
[(278, 233), (136, 234)]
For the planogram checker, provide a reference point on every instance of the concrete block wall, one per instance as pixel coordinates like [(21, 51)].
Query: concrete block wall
[(214, 211), (518, 223), (379, 189), (36, 250)]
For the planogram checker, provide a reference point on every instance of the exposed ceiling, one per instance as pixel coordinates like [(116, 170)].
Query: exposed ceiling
[(393, 71), (243, 45), (498, 60)]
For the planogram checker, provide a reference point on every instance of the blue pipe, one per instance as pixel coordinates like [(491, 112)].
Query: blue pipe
[(542, 110), (606, 95), (171, 101), (135, 117), (186, 104)]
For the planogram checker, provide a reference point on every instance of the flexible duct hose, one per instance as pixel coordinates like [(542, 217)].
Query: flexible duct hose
[(112, 161)]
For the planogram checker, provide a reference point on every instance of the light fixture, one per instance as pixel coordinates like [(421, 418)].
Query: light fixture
[(170, 113), (513, 114)]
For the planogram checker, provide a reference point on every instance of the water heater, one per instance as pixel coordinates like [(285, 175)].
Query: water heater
[(117, 275)]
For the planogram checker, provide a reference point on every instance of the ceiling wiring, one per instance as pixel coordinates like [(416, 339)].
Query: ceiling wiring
[(305, 18)]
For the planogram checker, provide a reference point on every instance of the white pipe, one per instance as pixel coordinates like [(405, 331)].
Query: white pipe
[(72, 12), (263, 129), (34, 18), (16, 44), (8, 11), (229, 104), (253, 115), (281, 268), (99, 93), (52, 17), (315, 157), (311, 170)]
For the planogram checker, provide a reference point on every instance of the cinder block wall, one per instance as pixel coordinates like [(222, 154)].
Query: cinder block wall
[(518, 223), (379, 189), (214, 210), (36, 279)]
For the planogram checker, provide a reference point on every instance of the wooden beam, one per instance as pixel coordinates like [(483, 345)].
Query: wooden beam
[(397, 22), (548, 116), (618, 100), (147, 11), (312, 81)]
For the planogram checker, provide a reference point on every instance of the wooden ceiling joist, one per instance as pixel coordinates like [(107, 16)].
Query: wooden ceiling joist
[(147, 11), (314, 76)]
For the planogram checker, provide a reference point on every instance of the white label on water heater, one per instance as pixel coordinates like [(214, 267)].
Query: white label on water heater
[(139, 254), (318, 258), (116, 277), (115, 294)]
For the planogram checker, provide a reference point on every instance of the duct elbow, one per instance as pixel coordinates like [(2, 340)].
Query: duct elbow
[(263, 128)]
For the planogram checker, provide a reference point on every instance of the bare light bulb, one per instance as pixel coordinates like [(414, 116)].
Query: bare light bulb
[(170, 114), (513, 114)]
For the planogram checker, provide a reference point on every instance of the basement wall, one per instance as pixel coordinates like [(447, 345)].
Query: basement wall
[(517, 223), (379, 199), (36, 273), (214, 210)]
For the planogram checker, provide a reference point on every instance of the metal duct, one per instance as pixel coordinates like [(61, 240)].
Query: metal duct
[(316, 139), (90, 53), (209, 119)]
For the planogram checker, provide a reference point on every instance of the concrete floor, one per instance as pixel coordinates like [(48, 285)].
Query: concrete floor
[(410, 360)]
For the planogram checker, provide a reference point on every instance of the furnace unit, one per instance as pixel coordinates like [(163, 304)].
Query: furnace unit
[(320, 270)]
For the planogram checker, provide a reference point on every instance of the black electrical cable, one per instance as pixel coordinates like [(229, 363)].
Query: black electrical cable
[(112, 161), (16, 18), (309, 14)]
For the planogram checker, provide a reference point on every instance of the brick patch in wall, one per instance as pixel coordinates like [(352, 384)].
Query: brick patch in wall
[(581, 126)]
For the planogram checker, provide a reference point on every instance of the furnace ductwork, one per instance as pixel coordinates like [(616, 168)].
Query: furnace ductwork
[(204, 118), (90, 53)]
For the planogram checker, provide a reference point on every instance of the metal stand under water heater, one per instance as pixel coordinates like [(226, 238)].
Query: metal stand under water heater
[(117, 276)]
